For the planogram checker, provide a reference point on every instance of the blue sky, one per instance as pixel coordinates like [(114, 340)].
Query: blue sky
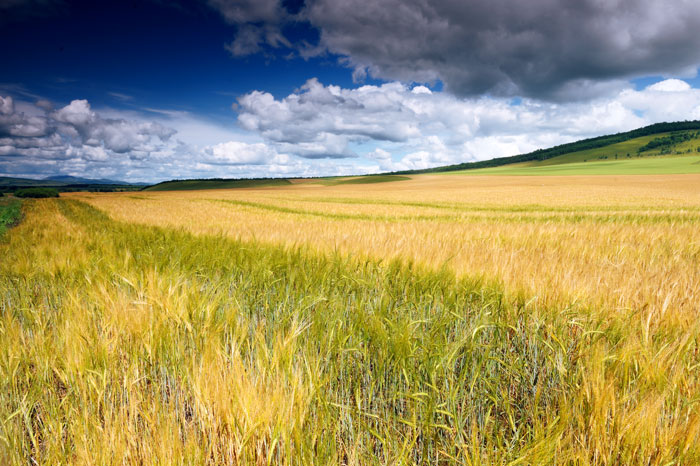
[(155, 90), (147, 55)]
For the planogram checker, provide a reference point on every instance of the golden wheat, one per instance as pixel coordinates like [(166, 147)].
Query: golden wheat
[(523, 321), (626, 242)]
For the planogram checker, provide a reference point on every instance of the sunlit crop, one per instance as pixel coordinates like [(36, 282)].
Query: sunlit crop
[(628, 242), (440, 320)]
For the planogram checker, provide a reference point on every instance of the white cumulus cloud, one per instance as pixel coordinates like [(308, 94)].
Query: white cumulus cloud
[(317, 130), (411, 128), (241, 153)]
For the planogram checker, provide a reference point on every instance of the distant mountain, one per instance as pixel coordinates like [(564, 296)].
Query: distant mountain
[(7, 181), (66, 183)]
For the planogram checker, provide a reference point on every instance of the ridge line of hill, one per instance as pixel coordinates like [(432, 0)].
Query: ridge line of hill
[(562, 149)]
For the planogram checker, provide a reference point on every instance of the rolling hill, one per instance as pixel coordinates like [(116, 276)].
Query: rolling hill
[(662, 148), (68, 179)]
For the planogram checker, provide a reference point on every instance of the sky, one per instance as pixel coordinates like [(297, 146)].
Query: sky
[(152, 90)]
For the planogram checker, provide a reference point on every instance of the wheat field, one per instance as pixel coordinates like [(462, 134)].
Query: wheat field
[(627, 242), (438, 320)]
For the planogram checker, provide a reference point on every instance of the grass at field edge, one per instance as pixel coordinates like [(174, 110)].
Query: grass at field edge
[(10, 213)]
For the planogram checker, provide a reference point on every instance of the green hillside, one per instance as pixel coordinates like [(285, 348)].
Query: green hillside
[(665, 153), (658, 140), (667, 165), (688, 142)]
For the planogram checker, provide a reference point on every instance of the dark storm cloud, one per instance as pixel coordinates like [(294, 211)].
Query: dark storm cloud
[(259, 23), (542, 48), (537, 47)]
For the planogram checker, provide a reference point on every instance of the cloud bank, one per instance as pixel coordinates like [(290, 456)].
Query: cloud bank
[(395, 126), (36, 136), (317, 130), (38, 140), (551, 49)]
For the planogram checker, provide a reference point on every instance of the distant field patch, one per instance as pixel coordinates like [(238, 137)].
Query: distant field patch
[(369, 179), (191, 185), (661, 165), (373, 179)]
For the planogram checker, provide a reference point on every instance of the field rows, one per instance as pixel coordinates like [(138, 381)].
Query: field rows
[(607, 248), (506, 324)]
